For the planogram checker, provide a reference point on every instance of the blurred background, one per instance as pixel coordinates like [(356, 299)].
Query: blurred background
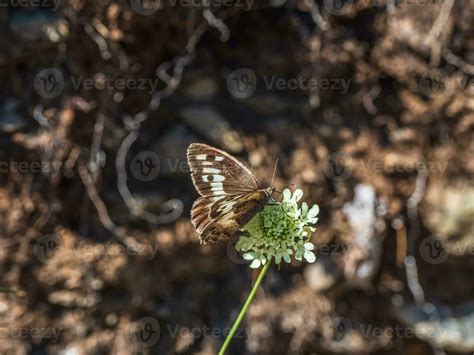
[(367, 104)]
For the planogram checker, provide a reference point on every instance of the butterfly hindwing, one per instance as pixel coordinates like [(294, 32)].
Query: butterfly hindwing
[(223, 218)]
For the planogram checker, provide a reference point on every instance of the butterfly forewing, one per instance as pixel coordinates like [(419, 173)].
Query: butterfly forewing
[(230, 194), (212, 169)]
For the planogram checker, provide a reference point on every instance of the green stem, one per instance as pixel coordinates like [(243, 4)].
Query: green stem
[(241, 315)]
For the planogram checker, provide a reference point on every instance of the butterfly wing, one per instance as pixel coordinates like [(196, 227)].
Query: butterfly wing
[(222, 218), (230, 193), (215, 172)]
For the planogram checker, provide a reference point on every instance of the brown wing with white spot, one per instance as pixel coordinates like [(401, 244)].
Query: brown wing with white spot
[(215, 172), (230, 194)]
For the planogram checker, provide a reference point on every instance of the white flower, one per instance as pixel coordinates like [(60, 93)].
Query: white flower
[(280, 231), (305, 250)]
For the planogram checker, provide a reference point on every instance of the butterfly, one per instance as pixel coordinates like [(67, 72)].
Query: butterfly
[(230, 193)]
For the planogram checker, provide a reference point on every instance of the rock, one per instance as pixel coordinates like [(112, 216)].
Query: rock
[(442, 327), (12, 117), (211, 124), (321, 275), (38, 24), (367, 243)]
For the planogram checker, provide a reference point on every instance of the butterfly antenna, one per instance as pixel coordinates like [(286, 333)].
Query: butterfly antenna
[(274, 171)]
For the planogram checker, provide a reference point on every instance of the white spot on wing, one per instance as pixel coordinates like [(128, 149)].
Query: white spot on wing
[(201, 157), (207, 163), (228, 207), (217, 186), (211, 171), (218, 158), (219, 178)]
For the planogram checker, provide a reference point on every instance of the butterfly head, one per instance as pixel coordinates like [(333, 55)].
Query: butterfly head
[(270, 190)]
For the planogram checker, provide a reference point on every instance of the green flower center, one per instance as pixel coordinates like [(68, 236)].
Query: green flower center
[(280, 230)]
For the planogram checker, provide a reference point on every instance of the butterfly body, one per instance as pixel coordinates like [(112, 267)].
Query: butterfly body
[(230, 193)]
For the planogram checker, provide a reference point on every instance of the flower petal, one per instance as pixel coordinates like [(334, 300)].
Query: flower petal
[(304, 209), (299, 254), (309, 256), (286, 195), (309, 246), (297, 195), (249, 256), (255, 264), (313, 212)]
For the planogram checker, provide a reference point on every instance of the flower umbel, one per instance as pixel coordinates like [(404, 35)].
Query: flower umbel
[(281, 230)]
